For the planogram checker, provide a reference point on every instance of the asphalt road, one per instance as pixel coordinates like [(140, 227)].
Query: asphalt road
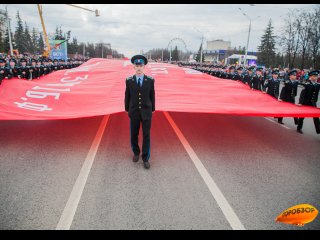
[(261, 167)]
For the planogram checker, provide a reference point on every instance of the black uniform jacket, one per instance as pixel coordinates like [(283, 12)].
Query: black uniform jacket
[(289, 91), (309, 95), (140, 99)]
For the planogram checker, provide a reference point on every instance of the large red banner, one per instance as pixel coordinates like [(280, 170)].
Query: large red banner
[(97, 87)]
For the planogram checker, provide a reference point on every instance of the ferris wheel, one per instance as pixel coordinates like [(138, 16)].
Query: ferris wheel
[(174, 42)]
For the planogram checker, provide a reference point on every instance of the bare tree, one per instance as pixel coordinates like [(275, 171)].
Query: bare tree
[(290, 38), (304, 24), (314, 43)]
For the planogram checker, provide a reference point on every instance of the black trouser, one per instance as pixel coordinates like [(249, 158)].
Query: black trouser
[(316, 124), (295, 120), (134, 133)]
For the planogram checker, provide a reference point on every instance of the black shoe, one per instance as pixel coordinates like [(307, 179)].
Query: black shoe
[(146, 164), (280, 122), (135, 158), (299, 131)]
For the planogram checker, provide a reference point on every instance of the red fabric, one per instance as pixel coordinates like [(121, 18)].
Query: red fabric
[(97, 88)]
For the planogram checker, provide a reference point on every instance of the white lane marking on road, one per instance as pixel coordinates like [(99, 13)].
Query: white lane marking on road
[(227, 210), (74, 199), (277, 123)]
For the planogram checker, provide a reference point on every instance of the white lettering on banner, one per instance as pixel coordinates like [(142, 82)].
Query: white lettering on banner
[(34, 94), (191, 71), (41, 95), (53, 89), (62, 84), (81, 69), (33, 106), (155, 71), (74, 80), (126, 63), (151, 65)]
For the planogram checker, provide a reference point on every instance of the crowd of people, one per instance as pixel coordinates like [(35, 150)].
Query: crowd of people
[(268, 81), (33, 67)]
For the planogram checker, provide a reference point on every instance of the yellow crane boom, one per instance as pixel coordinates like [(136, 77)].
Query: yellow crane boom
[(48, 48), (46, 52)]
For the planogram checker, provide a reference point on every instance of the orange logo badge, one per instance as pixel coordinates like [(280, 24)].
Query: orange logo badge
[(298, 215)]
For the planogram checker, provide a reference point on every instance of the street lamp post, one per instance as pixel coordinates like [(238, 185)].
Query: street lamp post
[(9, 32), (246, 53), (201, 50), (101, 50), (202, 38)]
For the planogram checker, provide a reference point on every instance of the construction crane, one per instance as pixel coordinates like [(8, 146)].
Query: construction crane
[(46, 52)]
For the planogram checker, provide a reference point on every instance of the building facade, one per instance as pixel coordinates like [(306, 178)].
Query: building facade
[(216, 50)]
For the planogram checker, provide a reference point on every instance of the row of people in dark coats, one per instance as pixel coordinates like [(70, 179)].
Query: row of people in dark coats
[(34, 69), (270, 84)]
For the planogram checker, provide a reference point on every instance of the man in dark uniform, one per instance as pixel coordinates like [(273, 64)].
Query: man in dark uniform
[(271, 86), (231, 74), (55, 66), (50, 66), (23, 69), (2, 69), (257, 80), (248, 76), (62, 64), (239, 76), (12, 70), (140, 104), (223, 72), (289, 92), (32, 69), (39, 69), (309, 97), (46, 66)]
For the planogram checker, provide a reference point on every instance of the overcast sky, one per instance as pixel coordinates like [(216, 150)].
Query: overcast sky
[(130, 28)]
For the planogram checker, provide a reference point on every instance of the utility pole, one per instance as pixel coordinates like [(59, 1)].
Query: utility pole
[(9, 32), (246, 54), (101, 50), (162, 56), (201, 49)]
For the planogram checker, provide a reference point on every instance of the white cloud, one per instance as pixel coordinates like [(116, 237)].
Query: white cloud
[(130, 28)]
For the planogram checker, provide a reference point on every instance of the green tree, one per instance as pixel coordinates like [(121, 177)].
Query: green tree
[(266, 49), (1, 43), (73, 46), (34, 41), (199, 54), (6, 44), (27, 39), (19, 35), (40, 44), (175, 54), (61, 37)]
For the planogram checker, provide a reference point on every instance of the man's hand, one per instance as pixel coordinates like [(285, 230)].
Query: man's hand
[(299, 104), (280, 100)]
